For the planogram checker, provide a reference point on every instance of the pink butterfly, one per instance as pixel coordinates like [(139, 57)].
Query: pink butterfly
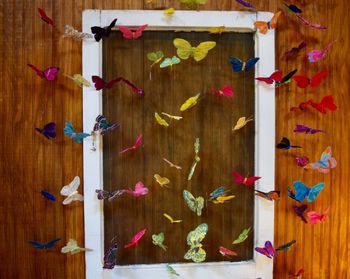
[(318, 54), (140, 190), (240, 179), (225, 91), (308, 23), (48, 74), (227, 252), (267, 250), (136, 238), (129, 34), (315, 217), (136, 145)]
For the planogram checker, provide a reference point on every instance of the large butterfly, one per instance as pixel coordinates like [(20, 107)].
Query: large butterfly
[(194, 238), (48, 131), (130, 34), (267, 250), (101, 32), (240, 66), (185, 50), (303, 81), (325, 164), (195, 204), (102, 84), (264, 26), (240, 179), (302, 191), (277, 78), (71, 191), (110, 257), (44, 246), (77, 137), (48, 74), (135, 239), (102, 126)]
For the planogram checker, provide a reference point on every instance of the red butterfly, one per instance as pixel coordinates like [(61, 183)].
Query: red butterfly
[(326, 103), (135, 239), (45, 18), (239, 179), (129, 34), (100, 83), (136, 145), (48, 74), (276, 77), (303, 81), (226, 91)]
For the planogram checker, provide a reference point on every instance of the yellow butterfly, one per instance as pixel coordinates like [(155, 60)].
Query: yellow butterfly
[(73, 248), (190, 102), (193, 3), (194, 238), (241, 122), (217, 30), (79, 80), (162, 181), (169, 11), (172, 116), (160, 120), (171, 218), (185, 50), (195, 204), (223, 199)]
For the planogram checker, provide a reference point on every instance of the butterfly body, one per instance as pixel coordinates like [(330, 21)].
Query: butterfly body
[(267, 250), (194, 238), (195, 204), (70, 191), (77, 137), (325, 164), (135, 239), (48, 131), (100, 32), (44, 246), (240, 66), (302, 191), (286, 145), (47, 195), (130, 34)]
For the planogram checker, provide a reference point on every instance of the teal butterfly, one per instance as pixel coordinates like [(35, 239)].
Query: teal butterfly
[(77, 137), (195, 204), (196, 253), (302, 191), (170, 62)]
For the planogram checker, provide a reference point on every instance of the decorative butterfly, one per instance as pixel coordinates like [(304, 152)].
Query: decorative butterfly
[(285, 144), (302, 191), (317, 55), (302, 160), (190, 102), (303, 81), (130, 34), (155, 57), (300, 211), (158, 239), (246, 4), (185, 50), (101, 32), (48, 74), (242, 237), (227, 252), (194, 238), (192, 3), (140, 190), (162, 181), (267, 250), (110, 257), (171, 218), (161, 121), (102, 126), (169, 11), (327, 102), (172, 165), (239, 179), (47, 195), (223, 199), (225, 91), (325, 164), (308, 23), (264, 26), (110, 196), (48, 131), (240, 66), (277, 79), (136, 145), (293, 8), (295, 50), (299, 274), (195, 204), (175, 117), (170, 62), (271, 196), (171, 270), (102, 84), (217, 193), (315, 217), (77, 137), (217, 29), (71, 191), (44, 246), (135, 239), (72, 247), (196, 159), (44, 17), (287, 246), (79, 80), (307, 130), (241, 122), (70, 32)]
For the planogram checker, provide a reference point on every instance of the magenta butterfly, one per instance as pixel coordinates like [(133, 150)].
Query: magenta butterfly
[(129, 34), (267, 250), (48, 74)]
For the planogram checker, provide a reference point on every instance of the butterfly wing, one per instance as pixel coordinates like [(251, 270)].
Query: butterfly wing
[(139, 30), (246, 4), (201, 51), (51, 73), (315, 191), (261, 26), (250, 63), (300, 210), (227, 91), (161, 121), (127, 32), (301, 190), (314, 25), (197, 235), (190, 200), (75, 197), (284, 144), (49, 130), (189, 103), (251, 180), (315, 55), (98, 82), (273, 21), (237, 64), (51, 243), (109, 259), (238, 177), (269, 248), (98, 32), (109, 27), (101, 194), (140, 189), (36, 244), (316, 79), (45, 17), (184, 48), (288, 77), (302, 81), (71, 187), (217, 192), (262, 251)]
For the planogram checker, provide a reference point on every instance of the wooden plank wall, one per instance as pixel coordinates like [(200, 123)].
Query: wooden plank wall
[(30, 163)]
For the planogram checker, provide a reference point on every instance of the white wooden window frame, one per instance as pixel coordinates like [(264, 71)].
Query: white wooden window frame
[(260, 266)]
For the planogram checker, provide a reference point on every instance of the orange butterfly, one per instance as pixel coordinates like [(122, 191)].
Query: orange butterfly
[(264, 26)]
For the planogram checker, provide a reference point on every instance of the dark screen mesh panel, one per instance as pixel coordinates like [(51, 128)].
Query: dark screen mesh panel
[(211, 120)]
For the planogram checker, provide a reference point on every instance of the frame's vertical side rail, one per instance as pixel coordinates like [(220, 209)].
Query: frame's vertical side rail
[(265, 143), (92, 106)]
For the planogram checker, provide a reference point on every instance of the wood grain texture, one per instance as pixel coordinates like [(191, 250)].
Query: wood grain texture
[(30, 163)]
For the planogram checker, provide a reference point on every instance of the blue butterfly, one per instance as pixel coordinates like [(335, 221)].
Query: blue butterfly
[(240, 66), (48, 196), (45, 246), (77, 137), (302, 191), (217, 192)]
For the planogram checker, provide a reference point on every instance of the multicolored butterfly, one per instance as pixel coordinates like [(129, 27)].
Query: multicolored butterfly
[(71, 191), (246, 4), (307, 130), (161, 121), (170, 62), (45, 17), (110, 257), (135, 239), (287, 246), (267, 250), (240, 179), (225, 91), (302, 160), (325, 164), (303, 81), (300, 211), (302, 191), (185, 50), (102, 126), (110, 196), (241, 122), (101, 32), (102, 84), (317, 55), (140, 190), (190, 102), (171, 219), (195, 204), (264, 26), (295, 50), (172, 165), (44, 246), (48, 131), (286, 145), (227, 252), (79, 80), (48, 74), (271, 196), (70, 32), (242, 237), (162, 181), (277, 78), (72, 247), (240, 66), (47, 195), (308, 23), (136, 145), (194, 238), (315, 217), (130, 34), (77, 137), (158, 239), (196, 158)]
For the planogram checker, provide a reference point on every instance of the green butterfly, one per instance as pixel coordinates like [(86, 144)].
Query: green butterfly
[(158, 239), (171, 270), (287, 246), (155, 57), (243, 236), (170, 62), (196, 253), (195, 204), (196, 159)]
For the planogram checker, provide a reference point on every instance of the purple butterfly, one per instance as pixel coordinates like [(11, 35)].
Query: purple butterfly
[(300, 210), (102, 126), (49, 130), (295, 50), (110, 196), (308, 23), (246, 4), (302, 161), (267, 250), (307, 130), (109, 260)]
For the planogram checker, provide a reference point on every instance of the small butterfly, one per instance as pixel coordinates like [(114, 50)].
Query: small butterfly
[(239, 179), (47, 195), (48, 131), (287, 246), (79, 80), (102, 126), (170, 62), (70, 32), (135, 239), (192, 3), (195, 204), (227, 252), (171, 218), (241, 122), (271, 196), (299, 274), (101, 32), (217, 193), (286, 145), (110, 257), (303, 81), (45, 17), (196, 158), (185, 50), (171, 270), (325, 164), (217, 29), (295, 50), (71, 191), (155, 57), (190, 102), (102, 84), (172, 116), (158, 239), (130, 34), (277, 79), (140, 190), (110, 196), (48, 74), (225, 91), (169, 11), (172, 165), (267, 250), (264, 26), (293, 8), (317, 55), (302, 191), (77, 137), (300, 211), (308, 23), (315, 217), (136, 145), (162, 181), (44, 246), (302, 160), (307, 130), (302, 106), (246, 4), (194, 238), (240, 66), (161, 121), (242, 237), (72, 247), (223, 199)]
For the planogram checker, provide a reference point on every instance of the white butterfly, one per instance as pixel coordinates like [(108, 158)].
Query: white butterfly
[(70, 191)]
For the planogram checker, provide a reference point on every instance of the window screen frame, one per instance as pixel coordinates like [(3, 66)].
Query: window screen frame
[(264, 118)]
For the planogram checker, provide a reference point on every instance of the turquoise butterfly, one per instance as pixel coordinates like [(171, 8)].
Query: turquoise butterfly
[(302, 191), (196, 253), (170, 62), (77, 137)]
